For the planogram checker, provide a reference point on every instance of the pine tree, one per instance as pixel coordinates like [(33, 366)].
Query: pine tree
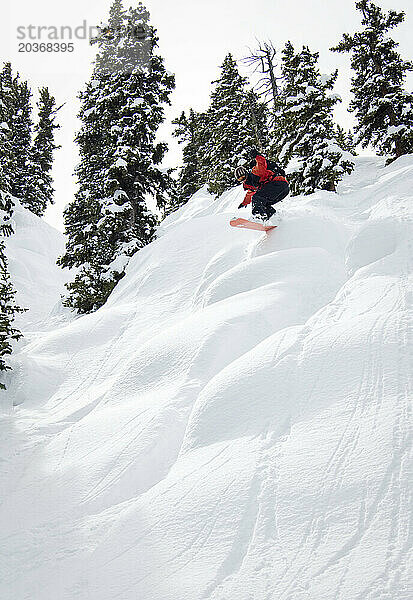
[(236, 121), (346, 140), (39, 190), (28, 162), (384, 110), (20, 123), (121, 111), (8, 307), (308, 142), (259, 118), (5, 142), (16, 127), (192, 131)]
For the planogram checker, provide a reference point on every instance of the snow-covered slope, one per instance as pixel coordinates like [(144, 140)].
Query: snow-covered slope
[(234, 423), (32, 252)]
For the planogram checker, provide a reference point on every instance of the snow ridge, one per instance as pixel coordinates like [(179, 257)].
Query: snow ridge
[(234, 422)]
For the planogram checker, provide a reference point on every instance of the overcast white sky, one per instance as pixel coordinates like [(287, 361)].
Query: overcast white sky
[(194, 37)]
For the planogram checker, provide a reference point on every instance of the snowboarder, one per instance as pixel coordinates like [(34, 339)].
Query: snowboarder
[(265, 184)]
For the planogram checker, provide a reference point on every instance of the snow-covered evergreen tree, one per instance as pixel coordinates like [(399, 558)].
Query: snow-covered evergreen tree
[(8, 306), (307, 141), (236, 120), (384, 110), (27, 162), (260, 117), (122, 108), (39, 190), (18, 100), (192, 131), (6, 158)]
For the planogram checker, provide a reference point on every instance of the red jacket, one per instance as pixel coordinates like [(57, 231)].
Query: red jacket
[(260, 175)]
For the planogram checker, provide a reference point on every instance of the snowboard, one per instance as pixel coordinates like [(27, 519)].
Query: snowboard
[(245, 224)]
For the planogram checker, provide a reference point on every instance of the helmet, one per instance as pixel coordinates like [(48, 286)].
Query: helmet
[(240, 172)]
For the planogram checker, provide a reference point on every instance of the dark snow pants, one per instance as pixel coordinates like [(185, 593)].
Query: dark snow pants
[(270, 193)]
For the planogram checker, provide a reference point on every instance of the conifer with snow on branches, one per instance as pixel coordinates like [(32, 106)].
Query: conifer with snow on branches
[(8, 306), (383, 108), (236, 121), (39, 190), (307, 141), (191, 131), (121, 111)]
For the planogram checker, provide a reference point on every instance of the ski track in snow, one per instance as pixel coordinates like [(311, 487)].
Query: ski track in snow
[(234, 423)]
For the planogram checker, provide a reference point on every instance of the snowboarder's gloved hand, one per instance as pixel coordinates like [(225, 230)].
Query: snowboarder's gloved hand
[(242, 205)]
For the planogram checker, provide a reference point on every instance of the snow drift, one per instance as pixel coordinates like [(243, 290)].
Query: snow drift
[(32, 254), (234, 423)]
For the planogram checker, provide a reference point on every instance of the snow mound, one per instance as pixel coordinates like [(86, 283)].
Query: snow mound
[(32, 252), (233, 423)]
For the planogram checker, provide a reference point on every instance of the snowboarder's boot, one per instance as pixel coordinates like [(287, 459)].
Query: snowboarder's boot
[(258, 218), (275, 219), (270, 211)]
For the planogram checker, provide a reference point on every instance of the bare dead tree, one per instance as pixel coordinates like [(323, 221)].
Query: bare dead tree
[(263, 62), (254, 122)]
